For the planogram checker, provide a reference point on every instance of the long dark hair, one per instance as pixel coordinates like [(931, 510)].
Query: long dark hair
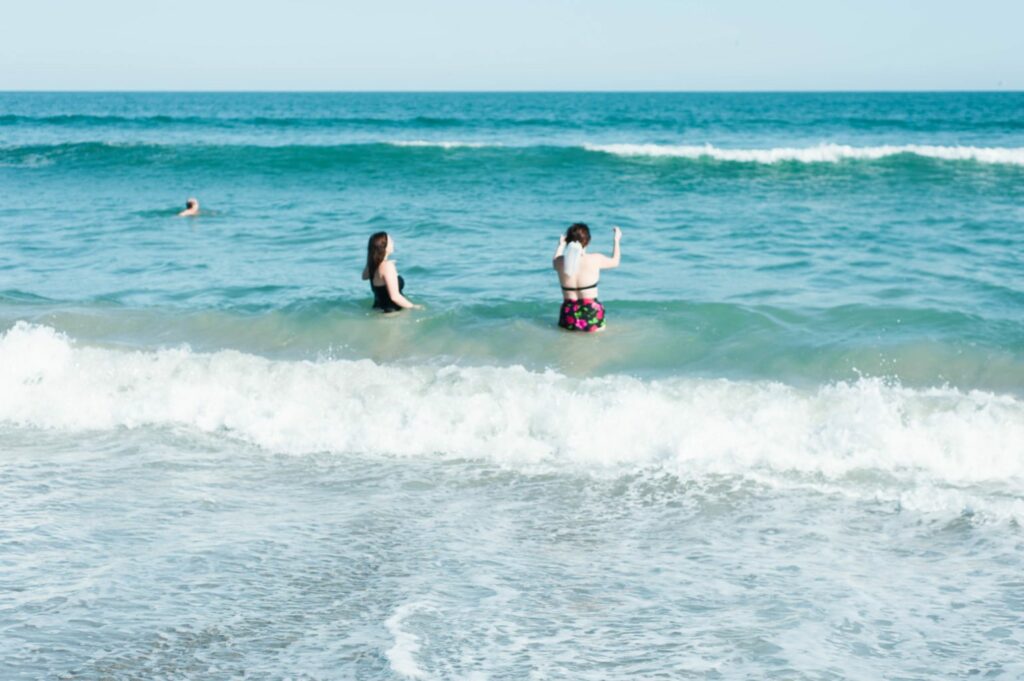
[(578, 232), (376, 251)]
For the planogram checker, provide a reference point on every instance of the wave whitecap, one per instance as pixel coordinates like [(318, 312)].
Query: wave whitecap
[(515, 417), (822, 153)]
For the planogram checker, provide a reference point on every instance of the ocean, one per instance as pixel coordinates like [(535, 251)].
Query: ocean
[(796, 452)]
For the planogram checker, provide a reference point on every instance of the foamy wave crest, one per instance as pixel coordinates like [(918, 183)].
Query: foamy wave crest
[(516, 417), (822, 153), (443, 144), (402, 655)]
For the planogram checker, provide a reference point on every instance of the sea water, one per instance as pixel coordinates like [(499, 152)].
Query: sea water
[(797, 451)]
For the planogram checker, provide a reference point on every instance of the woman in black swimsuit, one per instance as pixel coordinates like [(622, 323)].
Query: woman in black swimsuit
[(383, 275)]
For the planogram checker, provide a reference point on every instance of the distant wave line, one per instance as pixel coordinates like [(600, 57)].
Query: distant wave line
[(687, 121), (821, 153), (444, 144), (41, 154), (86, 120)]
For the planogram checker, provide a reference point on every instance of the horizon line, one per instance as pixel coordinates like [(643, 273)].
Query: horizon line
[(512, 91)]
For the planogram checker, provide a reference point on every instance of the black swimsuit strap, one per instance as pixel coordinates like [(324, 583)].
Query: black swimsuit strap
[(581, 288)]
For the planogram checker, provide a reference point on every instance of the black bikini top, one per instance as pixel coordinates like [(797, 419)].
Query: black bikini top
[(581, 288)]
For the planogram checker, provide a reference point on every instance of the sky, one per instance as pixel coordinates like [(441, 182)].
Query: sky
[(512, 45)]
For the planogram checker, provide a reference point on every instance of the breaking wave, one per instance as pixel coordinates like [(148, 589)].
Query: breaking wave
[(515, 417)]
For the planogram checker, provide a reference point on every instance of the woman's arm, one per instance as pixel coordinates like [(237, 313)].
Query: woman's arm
[(558, 251), (389, 273), (608, 263)]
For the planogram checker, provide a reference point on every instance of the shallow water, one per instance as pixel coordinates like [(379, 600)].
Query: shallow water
[(225, 561), (795, 453)]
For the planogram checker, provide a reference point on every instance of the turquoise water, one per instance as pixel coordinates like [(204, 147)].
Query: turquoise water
[(805, 270), (795, 453)]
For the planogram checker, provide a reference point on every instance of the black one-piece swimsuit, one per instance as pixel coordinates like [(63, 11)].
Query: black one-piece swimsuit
[(382, 301)]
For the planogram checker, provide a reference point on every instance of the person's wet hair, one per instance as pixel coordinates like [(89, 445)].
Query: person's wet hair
[(578, 232)]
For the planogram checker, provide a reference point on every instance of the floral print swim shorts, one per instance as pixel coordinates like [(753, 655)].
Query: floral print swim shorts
[(582, 315)]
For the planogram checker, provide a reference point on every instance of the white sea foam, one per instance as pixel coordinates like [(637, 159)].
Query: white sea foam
[(518, 418), (402, 654), (821, 153)]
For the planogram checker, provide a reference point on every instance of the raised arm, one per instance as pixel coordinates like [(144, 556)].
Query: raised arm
[(608, 263), (558, 251), (390, 275)]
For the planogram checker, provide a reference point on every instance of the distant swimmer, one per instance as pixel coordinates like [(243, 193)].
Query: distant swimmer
[(385, 282), (578, 273), (191, 208)]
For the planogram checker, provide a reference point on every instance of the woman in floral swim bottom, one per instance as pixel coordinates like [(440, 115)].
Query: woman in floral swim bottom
[(578, 273), (582, 315)]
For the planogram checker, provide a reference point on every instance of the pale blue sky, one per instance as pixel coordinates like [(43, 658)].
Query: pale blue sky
[(522, 45)]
